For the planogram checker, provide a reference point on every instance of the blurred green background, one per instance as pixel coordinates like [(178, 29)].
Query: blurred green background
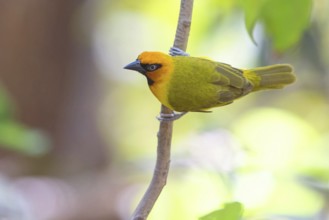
[(78, 133)]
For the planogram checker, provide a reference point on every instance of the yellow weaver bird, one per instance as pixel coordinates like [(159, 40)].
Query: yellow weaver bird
[(192, 84)]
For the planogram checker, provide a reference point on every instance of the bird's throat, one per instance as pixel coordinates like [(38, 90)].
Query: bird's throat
[(150, 82)]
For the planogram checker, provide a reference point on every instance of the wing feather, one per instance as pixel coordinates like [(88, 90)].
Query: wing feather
[(233, 83), (233, 75)]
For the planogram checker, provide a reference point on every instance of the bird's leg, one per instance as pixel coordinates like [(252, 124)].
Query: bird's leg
[(174, 51), (170, 117)]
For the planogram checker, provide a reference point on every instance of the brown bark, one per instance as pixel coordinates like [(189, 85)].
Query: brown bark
[(51, 80)]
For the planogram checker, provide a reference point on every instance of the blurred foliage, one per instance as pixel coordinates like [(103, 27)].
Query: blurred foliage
[(285, 25), (231, 211), (17, 137)]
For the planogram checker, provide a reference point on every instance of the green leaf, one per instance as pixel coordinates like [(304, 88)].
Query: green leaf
[(14, 136), (231, 211), (286, 20), (6, 107), (17, 137), (252, 11)]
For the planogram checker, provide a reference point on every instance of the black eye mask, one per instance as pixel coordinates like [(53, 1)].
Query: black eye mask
[(151, 67)]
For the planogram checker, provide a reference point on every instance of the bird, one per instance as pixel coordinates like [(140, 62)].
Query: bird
[(194, 84)]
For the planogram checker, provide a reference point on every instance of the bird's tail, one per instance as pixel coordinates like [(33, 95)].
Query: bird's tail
[(270, 77)]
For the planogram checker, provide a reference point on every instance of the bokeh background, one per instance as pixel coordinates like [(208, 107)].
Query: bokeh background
[(78, 133)]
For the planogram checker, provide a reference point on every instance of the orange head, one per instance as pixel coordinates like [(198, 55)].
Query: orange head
[(154, 65)]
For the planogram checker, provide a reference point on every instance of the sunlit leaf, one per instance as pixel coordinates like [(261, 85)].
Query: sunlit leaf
[(16, 137), (231, 211), (252, 10), (285, 21)]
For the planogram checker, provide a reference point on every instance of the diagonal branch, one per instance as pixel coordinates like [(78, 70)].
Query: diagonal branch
[(184, 24), (161, 170)]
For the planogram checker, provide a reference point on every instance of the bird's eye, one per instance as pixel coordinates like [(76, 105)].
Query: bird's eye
[(152, 67)]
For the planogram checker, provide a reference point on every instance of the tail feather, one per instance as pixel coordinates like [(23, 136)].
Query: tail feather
[(270, 77)]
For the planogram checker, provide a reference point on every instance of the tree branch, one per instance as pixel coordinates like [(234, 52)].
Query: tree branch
[(161, 170)]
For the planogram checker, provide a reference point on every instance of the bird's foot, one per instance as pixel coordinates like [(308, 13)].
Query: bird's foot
[(170, 117), (175, 51)]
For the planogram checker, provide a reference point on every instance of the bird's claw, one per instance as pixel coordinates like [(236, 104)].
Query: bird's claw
[(170, 117), (175, 51)]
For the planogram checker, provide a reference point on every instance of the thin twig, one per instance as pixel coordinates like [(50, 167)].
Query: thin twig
[(161, 170)]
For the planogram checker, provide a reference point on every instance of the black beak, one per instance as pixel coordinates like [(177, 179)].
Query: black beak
[(136, 65)]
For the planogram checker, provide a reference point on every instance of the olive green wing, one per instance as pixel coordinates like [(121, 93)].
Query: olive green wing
[(231, 83)]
